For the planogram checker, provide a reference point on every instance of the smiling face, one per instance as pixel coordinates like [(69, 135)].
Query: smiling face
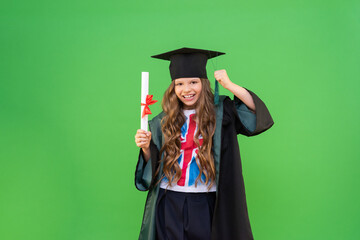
[(188, 91)]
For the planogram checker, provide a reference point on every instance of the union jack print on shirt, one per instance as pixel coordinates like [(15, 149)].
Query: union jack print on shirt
[(187, 159)]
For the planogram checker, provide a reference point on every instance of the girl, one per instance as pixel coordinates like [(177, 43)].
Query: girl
[(190, 162)]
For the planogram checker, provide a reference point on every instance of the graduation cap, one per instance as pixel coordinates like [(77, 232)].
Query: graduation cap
[(189, 62)]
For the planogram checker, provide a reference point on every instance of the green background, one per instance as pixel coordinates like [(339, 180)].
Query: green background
[(70, 107)]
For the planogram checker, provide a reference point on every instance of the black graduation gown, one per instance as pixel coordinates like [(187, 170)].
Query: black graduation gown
[(230, 220)]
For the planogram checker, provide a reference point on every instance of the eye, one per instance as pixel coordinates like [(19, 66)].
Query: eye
[(194, 82), (178, 84)]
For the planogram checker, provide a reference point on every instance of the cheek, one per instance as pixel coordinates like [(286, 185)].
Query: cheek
[(177, 92)]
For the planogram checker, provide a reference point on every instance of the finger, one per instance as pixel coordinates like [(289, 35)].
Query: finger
[(141, 135), (143, 144), (144, 132), (140, 145), (142, 139), (141, 131)]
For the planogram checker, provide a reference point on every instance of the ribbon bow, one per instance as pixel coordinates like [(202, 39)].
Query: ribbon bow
[(148, 102)]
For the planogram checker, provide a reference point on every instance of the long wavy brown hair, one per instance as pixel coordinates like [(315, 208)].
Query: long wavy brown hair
[(171, 124)]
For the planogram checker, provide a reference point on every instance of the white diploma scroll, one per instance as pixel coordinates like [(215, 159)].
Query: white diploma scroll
[(144, 92)]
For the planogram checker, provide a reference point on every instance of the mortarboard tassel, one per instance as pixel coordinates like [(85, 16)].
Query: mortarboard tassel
[(216, 96)]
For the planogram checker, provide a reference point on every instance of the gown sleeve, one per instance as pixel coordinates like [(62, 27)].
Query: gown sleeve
[(145, 171), (246, 122)]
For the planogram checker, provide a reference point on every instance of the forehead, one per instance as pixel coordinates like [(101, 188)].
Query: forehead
[(186, 79)]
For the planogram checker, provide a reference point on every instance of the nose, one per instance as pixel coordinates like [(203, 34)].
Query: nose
[(187, 88)]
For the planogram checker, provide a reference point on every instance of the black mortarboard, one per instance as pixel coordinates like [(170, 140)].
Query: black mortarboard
[(189, 62)]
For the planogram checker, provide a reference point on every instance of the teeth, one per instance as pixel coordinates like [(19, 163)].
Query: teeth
[(189, 96)]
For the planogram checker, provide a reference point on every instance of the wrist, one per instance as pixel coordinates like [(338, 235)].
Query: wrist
[(146, 153), (146, 149)]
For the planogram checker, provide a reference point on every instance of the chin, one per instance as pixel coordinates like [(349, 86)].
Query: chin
[(189, 106)]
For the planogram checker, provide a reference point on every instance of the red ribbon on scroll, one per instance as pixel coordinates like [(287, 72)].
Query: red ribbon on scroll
[(148, 102)]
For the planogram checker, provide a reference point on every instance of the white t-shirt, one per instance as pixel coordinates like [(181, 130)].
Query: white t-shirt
[(189, 168)]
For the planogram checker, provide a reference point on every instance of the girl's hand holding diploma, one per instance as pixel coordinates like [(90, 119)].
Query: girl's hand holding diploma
[(142, 140)]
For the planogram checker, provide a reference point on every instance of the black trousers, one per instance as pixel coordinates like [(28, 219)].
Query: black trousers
[(184, 216)]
